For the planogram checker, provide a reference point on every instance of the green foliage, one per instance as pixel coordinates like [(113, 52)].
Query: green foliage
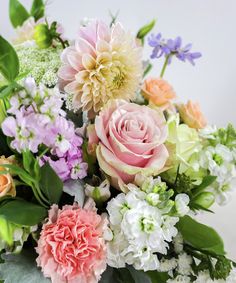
[(45, 183), (21, 212), (21, 268), (206, 182), (131, 275), (4, 148), (37, 9), (183, 183), (227, 136), (222, 268), (145, 30), (50, 184), (9, 62), (17, 12), (200, 236)]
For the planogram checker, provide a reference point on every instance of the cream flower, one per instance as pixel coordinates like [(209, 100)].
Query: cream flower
[(104, 63)]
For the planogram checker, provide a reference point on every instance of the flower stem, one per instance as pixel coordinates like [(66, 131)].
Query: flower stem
[(164, 66)]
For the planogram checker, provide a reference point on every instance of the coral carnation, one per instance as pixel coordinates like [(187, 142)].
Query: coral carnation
[(104, 63), (71, 247)]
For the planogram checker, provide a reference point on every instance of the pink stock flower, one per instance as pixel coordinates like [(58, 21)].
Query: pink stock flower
[(130, 141), (71, 247), (104, 63)]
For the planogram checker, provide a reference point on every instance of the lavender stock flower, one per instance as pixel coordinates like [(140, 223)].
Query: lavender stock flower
[(172, 47)]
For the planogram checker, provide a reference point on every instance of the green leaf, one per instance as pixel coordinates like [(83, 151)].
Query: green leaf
[(206, 182), (158, 277), (22, 212), (139, 276), (21, 268), (9, 62), (37, 9), (146, 29), (222, 268), (50, 184), (18, 13), (200, 236), (4, 148)]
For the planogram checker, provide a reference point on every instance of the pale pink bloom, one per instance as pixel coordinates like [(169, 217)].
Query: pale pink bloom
[(25, 32), (103, 63), (130, 141), (71, 247)]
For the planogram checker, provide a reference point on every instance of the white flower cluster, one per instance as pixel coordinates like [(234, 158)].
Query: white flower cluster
[(220, 161), (141, 228)]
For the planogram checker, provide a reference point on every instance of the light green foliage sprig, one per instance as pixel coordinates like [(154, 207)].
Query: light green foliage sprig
[(41, 64), (225, 136)]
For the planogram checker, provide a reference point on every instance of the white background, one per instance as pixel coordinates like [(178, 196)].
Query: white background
[(209, 24)]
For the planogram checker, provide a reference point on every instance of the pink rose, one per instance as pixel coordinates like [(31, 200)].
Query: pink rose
[(71, 247), (130, 141)]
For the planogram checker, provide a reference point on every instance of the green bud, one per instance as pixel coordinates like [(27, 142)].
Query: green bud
[(42, 36), (205, 199), (6, 231)]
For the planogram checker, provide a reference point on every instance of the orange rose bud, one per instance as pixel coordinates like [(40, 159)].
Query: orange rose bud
[(191, 115), (158, 91), (7, 186)]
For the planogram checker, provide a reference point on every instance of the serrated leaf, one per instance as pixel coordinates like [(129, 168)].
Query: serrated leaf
[(75, 188), (21, 212), (17, 12), (9, 62), (200, 236), (37, 9), (146, 29), (21, 268), (50, 184)]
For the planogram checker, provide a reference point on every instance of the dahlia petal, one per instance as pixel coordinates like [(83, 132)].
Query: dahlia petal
[(72, 87), (88, 62), (67, 73), (83, 46)]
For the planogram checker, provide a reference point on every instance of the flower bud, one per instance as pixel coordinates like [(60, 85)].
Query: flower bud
[(181, 204), (153, 199), (42, 36), (205, 199), (100, 193)]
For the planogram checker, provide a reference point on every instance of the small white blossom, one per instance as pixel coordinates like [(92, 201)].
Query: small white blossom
[(208, 132), (167, 265), (100, 193), (178, 243), (181, 204)]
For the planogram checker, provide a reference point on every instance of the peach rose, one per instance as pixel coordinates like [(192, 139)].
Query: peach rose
[(130, 141), (191, 114), (159, 92), (7, 186)]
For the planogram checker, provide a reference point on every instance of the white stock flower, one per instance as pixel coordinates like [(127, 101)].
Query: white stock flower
[(181, 204), (140, 231), (208, 132), (219, 161), (167, 265), (178, 243)]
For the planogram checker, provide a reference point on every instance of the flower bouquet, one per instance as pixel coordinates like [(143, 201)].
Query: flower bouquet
[(102, 170)]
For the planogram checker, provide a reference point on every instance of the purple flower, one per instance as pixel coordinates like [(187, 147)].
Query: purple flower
[(172, 47)]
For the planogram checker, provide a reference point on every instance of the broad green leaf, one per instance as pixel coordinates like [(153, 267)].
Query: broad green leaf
[(146, 29), (200, 236), (17, 12), (50, 184), (37, 9), (21, 268), (9, 62), (21, 212), (121, 275), (158, 277)]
